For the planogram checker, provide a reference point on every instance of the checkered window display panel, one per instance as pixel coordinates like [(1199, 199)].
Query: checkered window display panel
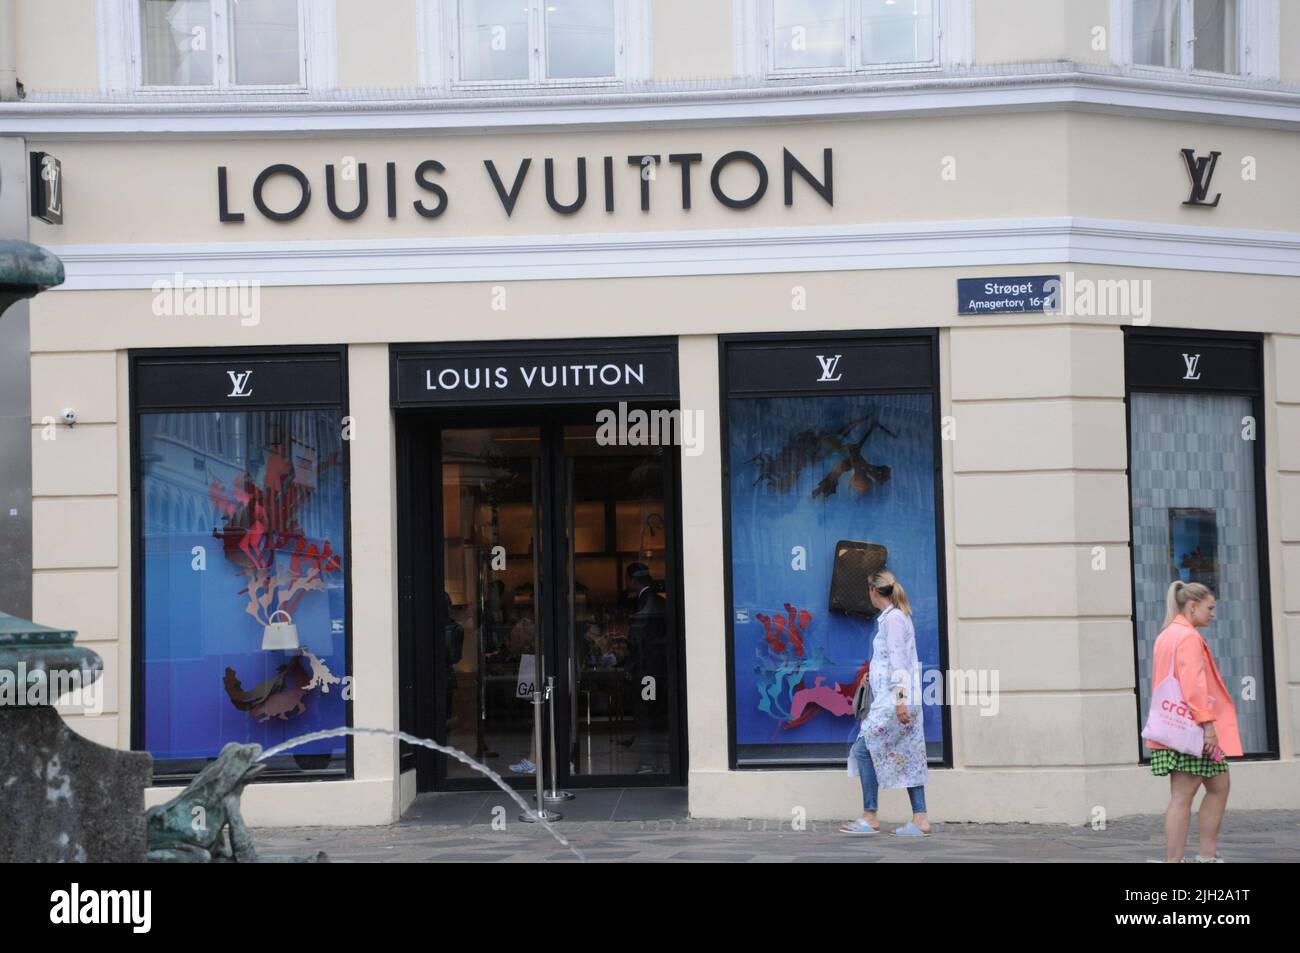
[(1189, 452)]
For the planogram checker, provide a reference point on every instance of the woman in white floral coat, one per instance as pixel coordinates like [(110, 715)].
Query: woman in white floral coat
[(890, 749)]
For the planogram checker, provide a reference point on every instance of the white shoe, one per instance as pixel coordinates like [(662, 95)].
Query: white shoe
[(1209, 860), (523, 766)]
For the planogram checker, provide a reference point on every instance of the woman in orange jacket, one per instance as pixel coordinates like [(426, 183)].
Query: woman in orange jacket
[(1179, 646)]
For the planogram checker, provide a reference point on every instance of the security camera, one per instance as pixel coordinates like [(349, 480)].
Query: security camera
[(69, 416)]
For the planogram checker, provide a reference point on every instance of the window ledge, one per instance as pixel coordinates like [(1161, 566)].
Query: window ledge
[(1059, 85), (864, 73), (471, 87), (922, 78), (1195, 76), (214, 92)]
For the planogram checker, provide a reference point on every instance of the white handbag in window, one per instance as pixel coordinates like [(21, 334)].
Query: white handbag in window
[(280, 635)]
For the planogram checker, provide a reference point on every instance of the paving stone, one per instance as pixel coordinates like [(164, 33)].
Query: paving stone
[(712, 856), (1261, 836), (467, 857)]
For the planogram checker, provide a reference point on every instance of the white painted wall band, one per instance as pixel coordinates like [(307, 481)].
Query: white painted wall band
[(980, 242)]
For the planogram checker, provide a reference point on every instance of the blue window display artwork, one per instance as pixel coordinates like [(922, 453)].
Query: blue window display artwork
[(243, 625), (806, 474)]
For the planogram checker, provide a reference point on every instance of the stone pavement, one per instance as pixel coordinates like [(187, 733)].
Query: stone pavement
[(613, 826)]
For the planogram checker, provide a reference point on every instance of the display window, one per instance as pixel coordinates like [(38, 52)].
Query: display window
[(1196, 484), (832, 471), (241, 556)]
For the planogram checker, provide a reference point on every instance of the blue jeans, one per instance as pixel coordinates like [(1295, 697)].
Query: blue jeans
[(871, 789)]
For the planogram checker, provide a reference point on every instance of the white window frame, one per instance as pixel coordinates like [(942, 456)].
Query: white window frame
[(755, 32), (439, 29), (1258, 41), (121, 58)]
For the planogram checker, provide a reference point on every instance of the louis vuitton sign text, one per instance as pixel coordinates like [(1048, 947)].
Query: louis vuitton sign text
[(736, 179)]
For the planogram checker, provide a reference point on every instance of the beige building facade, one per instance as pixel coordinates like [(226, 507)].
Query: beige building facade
[(738, 193)]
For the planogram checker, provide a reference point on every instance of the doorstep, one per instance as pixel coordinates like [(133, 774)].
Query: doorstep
[(467, 808)]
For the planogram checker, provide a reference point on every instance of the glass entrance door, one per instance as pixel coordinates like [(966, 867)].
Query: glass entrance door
[(557, 558), (616, 606), (493, 592)]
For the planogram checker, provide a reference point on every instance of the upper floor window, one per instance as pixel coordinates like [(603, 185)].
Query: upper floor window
[(538, 41), (220, 44), (833, 35), (1187, 34)]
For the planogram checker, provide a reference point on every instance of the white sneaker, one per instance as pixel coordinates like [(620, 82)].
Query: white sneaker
[(523, 766), (1209, 860)]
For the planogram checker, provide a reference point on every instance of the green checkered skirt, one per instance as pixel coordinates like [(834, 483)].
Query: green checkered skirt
[(1164, 760)]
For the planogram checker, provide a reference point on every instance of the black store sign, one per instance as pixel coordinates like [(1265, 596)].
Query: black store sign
[(535, 372), (830, 366), (239, 381), (1192, 361)]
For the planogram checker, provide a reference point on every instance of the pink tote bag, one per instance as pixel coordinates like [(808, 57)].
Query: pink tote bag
[(1170, 722)]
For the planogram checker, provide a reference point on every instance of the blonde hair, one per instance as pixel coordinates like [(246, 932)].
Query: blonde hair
[(1180, 593), (889, 587)]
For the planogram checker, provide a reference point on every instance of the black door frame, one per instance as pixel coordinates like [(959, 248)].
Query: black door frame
[(420, 557)]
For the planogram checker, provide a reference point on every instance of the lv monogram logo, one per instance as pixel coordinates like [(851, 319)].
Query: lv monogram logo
[(828, 367), (1201, 170), (1192, 361), (238, 382)]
